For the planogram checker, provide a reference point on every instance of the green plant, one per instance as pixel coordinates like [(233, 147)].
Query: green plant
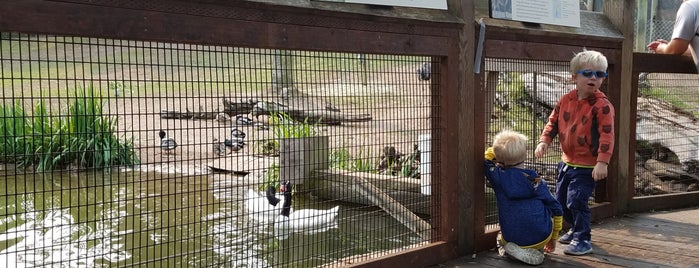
[(284, 126), (340, 158), (12, 131), (92, 135), (408, 170), (85, 137), (270, 178), (343, 159)]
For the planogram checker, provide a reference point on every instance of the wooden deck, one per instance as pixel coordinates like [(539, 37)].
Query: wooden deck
[(654, 239)]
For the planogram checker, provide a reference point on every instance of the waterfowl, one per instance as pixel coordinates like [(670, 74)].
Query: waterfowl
[(219, 148), (263, 207), (167, 144), (306, 221), (424, 70), (237, 133), (234, 144), (243, 120)]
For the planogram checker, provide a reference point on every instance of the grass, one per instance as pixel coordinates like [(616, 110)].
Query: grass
[(343, 159), (46, 142), (30, 62)]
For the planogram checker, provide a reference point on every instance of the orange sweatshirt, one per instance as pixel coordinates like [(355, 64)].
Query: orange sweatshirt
[(585, 128)]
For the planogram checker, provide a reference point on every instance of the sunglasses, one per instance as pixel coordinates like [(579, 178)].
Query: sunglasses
[(590, 73)]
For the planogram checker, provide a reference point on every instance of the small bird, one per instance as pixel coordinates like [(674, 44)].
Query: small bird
[(234, 144), (237, 133), (424, 70), (223, 118), (220, 148), (331, 107), (243, 120), (166, 143)]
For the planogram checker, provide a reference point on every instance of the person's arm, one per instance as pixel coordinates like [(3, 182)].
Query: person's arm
[(550, 131), (683, 32), (676, 46), (605, 128)]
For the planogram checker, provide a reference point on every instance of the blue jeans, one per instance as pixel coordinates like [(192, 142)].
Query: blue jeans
[(574, 187)]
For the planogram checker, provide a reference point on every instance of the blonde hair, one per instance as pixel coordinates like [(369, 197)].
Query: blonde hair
[(510, 147), (588, 57)]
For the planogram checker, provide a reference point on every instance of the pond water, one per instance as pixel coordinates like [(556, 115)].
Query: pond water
[(165, 220)]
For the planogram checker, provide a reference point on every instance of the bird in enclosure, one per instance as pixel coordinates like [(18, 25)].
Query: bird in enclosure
[(243, 120), (234, 144), (306, 221), (263, 207), (167, 144), (237, 133), (223, 118), (424, 70), (219, 148)]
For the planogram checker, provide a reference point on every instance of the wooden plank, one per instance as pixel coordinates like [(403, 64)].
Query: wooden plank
[(509, 49), (659, 63), (417, 257), (656, 239), (121, 23), (371, 189), (620, 92), (394, 208), (457, 195), (664, 202), (242, 164)]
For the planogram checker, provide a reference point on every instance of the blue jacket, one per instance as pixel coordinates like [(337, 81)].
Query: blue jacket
[(525, 207)]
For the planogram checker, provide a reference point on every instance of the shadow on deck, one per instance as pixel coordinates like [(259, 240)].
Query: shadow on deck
[(653, 239)]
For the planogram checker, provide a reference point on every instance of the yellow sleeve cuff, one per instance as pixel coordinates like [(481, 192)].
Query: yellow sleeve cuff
[(489, 154), (557, 226)]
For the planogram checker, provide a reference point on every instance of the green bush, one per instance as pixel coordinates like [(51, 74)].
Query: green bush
[(47, 142)]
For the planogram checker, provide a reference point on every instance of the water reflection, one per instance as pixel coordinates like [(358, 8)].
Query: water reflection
[(136, 218)]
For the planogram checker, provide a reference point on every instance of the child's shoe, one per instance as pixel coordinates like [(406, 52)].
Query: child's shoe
[(526, 255), (566, 238), (578, 247)]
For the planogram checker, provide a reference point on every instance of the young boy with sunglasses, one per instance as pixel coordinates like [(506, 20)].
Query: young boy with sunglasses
[(583, 120)]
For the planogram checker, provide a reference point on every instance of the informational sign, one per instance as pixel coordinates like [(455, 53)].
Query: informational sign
[(434, 4), (556, 12)]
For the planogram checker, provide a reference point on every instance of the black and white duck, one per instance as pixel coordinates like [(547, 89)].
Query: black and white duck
[(243, 120), (167, 144), (305, 221), (234, 144), (237, 133), (263, 207)]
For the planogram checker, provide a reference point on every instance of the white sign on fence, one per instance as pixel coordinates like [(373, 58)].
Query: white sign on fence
[(556, 12), (434, 4)]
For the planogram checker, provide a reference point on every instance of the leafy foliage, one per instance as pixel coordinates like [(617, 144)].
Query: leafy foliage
[(85, 137)]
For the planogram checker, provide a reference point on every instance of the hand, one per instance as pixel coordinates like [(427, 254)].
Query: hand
[(550, 246), (541, 149), (655, 45), (600, 171), (489, 154)]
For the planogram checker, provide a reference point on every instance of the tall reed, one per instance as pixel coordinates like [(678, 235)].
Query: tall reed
[(84, 138)]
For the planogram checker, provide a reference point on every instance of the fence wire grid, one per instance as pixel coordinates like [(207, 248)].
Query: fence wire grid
[(132, 153), (521, 94)]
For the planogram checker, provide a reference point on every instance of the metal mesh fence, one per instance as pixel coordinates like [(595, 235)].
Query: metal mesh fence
[(667, 134), (520, 96), (132, 153)]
